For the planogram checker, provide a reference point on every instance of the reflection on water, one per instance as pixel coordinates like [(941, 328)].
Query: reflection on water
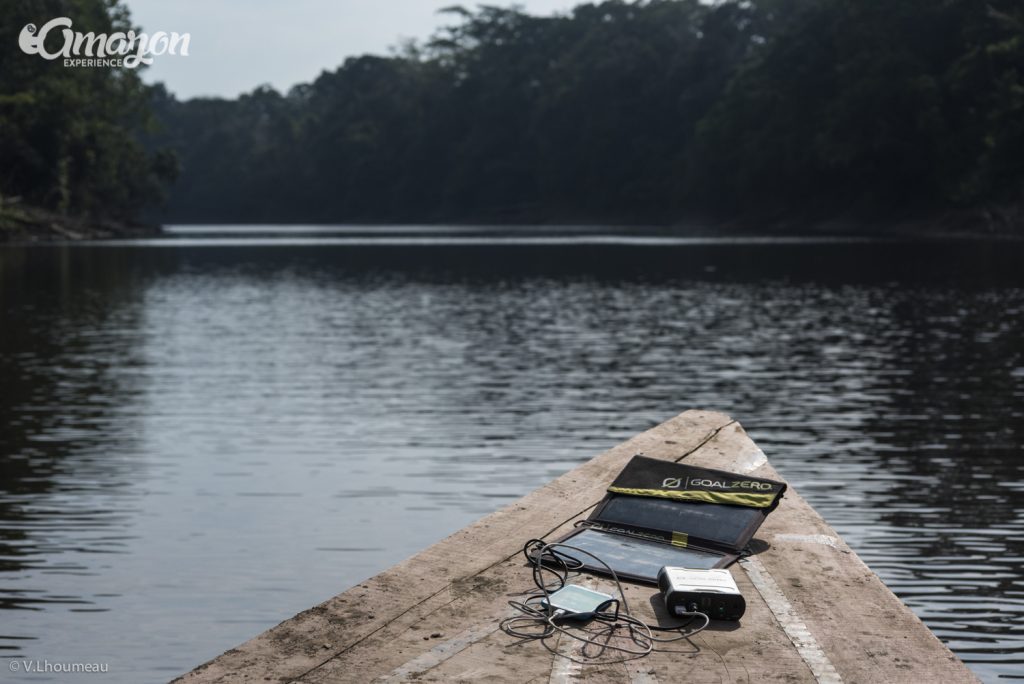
[(199, 441)]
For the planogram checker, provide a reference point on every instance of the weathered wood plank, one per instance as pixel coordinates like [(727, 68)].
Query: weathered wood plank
[(815, 612)]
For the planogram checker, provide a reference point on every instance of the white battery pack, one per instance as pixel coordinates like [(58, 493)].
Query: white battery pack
[(712, 592)]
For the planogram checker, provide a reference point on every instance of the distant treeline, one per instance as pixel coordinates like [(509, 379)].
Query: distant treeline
[(644, 111), (641, 111)]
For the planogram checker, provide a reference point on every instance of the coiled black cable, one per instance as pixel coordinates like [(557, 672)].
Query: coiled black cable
[(539, 621)]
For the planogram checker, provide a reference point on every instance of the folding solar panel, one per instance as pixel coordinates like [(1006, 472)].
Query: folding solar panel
[(659, 513)]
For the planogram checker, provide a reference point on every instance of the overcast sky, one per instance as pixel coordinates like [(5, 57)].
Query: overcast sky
[(236, 46)]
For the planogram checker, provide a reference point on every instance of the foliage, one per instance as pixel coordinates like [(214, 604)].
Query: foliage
[(69, 136), (872, 105), (502, 116), (651, 110)]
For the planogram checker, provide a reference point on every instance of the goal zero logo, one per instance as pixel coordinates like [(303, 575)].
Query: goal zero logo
[(706, 483), (100, 49), (725, 484)]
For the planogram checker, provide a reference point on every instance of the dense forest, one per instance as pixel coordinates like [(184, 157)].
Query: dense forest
[(70, 138), (631, 111), (647, 111)]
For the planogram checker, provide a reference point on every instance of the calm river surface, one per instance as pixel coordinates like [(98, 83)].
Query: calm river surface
[(201, 436)]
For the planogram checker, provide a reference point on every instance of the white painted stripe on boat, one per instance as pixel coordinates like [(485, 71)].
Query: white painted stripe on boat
[(566, 667), (752, 460), (821, 667), (823, 539), (440, 653), (640, 672)]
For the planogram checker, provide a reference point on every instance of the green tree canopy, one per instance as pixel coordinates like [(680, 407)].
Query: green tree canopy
[(69, 137), (652, 110)]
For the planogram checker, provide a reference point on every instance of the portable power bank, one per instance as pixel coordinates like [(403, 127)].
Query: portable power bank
[(577, 601), (709, 591)]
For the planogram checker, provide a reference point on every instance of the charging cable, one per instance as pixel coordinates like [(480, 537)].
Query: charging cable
[(538, 620)]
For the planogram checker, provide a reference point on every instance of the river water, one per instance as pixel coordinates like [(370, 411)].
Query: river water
[(204, 434)]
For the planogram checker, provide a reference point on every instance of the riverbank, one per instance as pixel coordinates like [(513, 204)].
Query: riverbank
[(21, 223), (26, 224), (989, 222)]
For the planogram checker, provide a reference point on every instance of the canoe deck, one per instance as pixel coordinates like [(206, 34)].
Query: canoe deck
[(815, 611)]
